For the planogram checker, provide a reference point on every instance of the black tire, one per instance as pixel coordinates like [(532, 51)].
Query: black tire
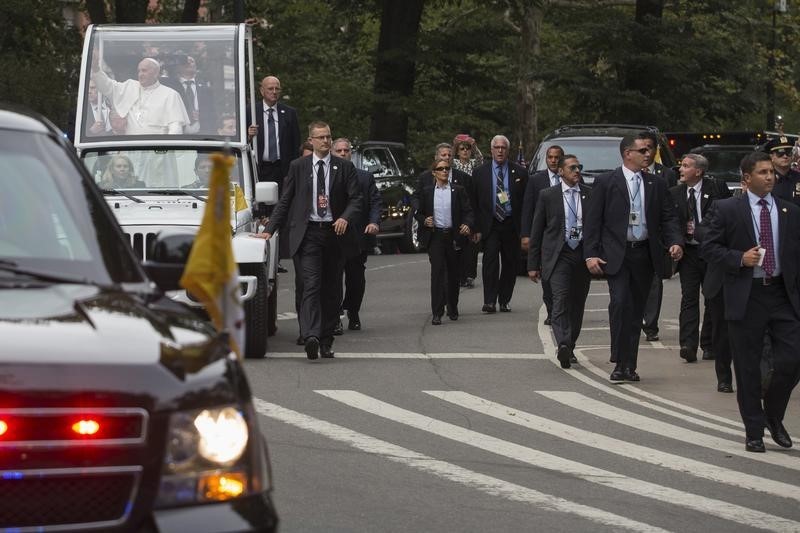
[(255, 312), (272, 309), (409, 243)]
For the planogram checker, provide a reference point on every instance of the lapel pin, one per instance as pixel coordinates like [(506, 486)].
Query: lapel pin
[(335, 167), (283, 111), (783, 209), (705, 196)]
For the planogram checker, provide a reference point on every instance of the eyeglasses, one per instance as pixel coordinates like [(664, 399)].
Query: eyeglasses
[(575, 167), (322, 137), (640, 150), (782, 153), (465, 147), (439, 169), (499, 147)]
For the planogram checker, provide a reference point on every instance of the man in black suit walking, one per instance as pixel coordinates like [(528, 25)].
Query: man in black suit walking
[(630, 216), (756, 239), (278, 143), (556, 253), (537, 182), (499, 192), (693, 198), (366, 226), (321, 200)]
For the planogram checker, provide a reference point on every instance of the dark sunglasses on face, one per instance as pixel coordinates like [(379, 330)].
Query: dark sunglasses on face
[(575, 167), (439, 169), (782, 153), (640, 150)]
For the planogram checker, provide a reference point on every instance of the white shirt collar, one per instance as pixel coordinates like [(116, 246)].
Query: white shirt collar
[(628, 173), (315, 160), (755, 199), (565, 187)]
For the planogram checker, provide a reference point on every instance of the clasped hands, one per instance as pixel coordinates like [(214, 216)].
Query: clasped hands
[(463, 229), (339, 227)]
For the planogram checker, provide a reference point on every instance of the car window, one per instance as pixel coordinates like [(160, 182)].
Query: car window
[(596, 154), (724, 162), (378, 161)]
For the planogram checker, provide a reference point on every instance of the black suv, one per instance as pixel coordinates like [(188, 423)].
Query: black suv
[(724, 160), (597, 146), (119, 408), (395, 175)]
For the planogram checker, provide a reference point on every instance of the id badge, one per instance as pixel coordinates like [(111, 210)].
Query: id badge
[(690, 227), (634, 218), (322, 201), (575, 233), (503, 197)]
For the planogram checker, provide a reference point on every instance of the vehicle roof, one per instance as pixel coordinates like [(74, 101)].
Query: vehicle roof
[(18, 118), (366, 144), (723, 147), (572, 130)]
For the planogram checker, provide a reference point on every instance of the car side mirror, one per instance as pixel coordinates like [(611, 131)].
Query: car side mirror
[(267, 192), (168, 257)]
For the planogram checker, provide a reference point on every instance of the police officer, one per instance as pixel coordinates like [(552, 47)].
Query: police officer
[(787, 180)]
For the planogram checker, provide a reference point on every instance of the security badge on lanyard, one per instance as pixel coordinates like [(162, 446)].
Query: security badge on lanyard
[(575, 232), (503, 197), (635, 218)]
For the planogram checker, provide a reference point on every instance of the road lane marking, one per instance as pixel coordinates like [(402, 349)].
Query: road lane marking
[(549, 347), (289, 315), (618, 446), (612, 413), (546, 461), (448, 471), (422, 356)]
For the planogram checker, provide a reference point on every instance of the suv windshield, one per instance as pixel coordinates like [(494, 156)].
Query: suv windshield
[(51, 222), (595, 154)]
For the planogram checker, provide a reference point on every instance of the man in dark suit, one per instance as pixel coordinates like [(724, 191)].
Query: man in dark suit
[(756, 239), (556, 253), (693, 198), (537, 182), (445, 217), (499, 192), (652, 309), (630, 220), (787, 179), (277, 132), (319, 203), (196, 95), (366, 225)]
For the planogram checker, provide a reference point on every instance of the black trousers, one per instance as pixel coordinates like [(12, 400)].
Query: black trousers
[(355, 282), (320, 259), (500, 258), (570, 282), (692, 270), (652, 308), (271, 172), (768, 307), (629, 289), (706, 330), (720, 343), (445, 265), (469, 261), (547, 296)]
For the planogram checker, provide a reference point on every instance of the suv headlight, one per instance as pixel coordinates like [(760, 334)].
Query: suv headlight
[(205, 458)]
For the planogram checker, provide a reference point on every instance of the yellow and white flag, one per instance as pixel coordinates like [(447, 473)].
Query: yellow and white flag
[(211, 274)]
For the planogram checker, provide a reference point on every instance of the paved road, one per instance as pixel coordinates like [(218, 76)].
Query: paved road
[(473, 426)]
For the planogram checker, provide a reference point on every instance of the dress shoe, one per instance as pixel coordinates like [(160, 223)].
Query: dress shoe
[(563, 355), (754, 445), (505, 308), (281, 269), (708, 355), (325, 352), (339, 328), (436, 320), (617, 375), (469, 283), (688, 354), (489, 308), (612, 359), (573, 359), (354, 322), (779, 433), (724, 387), (453, 316), (651, 336), (630, 375), (312, 347), (547, 321), (300, 341)]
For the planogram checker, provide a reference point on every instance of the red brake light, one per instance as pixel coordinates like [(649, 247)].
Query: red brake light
[(3, 427), (672, 142), (86, 427)]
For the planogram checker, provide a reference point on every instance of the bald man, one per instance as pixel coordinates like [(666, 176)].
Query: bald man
[(146, 106)]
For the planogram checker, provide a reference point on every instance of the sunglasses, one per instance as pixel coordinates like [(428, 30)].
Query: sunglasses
[(439, 169), (575, 167), (782, 153), (640, 150)]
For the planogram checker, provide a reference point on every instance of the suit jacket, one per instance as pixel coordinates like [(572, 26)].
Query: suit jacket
[(667, 174), (712, 190), (288, 134), (206, 104), (715, 272), (457, 177), (296, 203), (788, 187), (730, 234), (483, 182), (549, 228), (370, 210), (536, 183), (605, 227), (460, 209)]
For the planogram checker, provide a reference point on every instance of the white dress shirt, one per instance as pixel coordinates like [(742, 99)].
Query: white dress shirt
[(755, 212), (629, 174), (277, 132), (442, 208), (567, 209), (327, 166)]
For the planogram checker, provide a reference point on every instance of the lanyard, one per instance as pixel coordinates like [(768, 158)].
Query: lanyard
[(577, 202), (635, 196)]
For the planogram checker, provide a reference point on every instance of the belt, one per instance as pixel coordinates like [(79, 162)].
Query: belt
[(443, 230), (638, 244), (765, 281), (276, 162), (323, 224)]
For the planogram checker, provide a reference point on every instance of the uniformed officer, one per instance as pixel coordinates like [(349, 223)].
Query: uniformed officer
[(787, 179)]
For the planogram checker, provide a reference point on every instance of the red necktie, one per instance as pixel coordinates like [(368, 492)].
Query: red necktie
[(765, 238)]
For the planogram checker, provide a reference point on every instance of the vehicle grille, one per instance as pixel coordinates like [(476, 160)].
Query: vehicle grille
[(142, 243)]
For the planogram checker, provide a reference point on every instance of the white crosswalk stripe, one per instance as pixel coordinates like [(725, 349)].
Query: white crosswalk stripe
[(547, 461), (451, 472), (422, 356)]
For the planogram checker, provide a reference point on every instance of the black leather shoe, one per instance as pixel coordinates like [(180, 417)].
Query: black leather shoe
[(505, 308), (779, 433), (563, 356), (488, 308), (354, 324), (339, 328), (469, 283), (708, 355), (453, 316), (547, 321), (651, 336), (436, 321), (312, 347), (754, 445), (617, 375), (573, 359), (688, 354), (325, 352), (300, 341), (724, 387), (281, 269), (612, 359), (630, 375)]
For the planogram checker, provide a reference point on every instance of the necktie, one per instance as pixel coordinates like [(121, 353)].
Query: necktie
[(272, 139), (189, 98), (499, 208), (692, 208), (636, 206), (322, 198), (765, 238), (572, 219)]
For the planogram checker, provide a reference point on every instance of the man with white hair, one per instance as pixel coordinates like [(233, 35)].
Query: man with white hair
[(147, 106)]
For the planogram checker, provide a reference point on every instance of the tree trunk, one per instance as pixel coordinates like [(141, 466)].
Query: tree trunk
[(190, 8), (97, 11), (131, 11), (395, 69), (528, 17), (649, 8)]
